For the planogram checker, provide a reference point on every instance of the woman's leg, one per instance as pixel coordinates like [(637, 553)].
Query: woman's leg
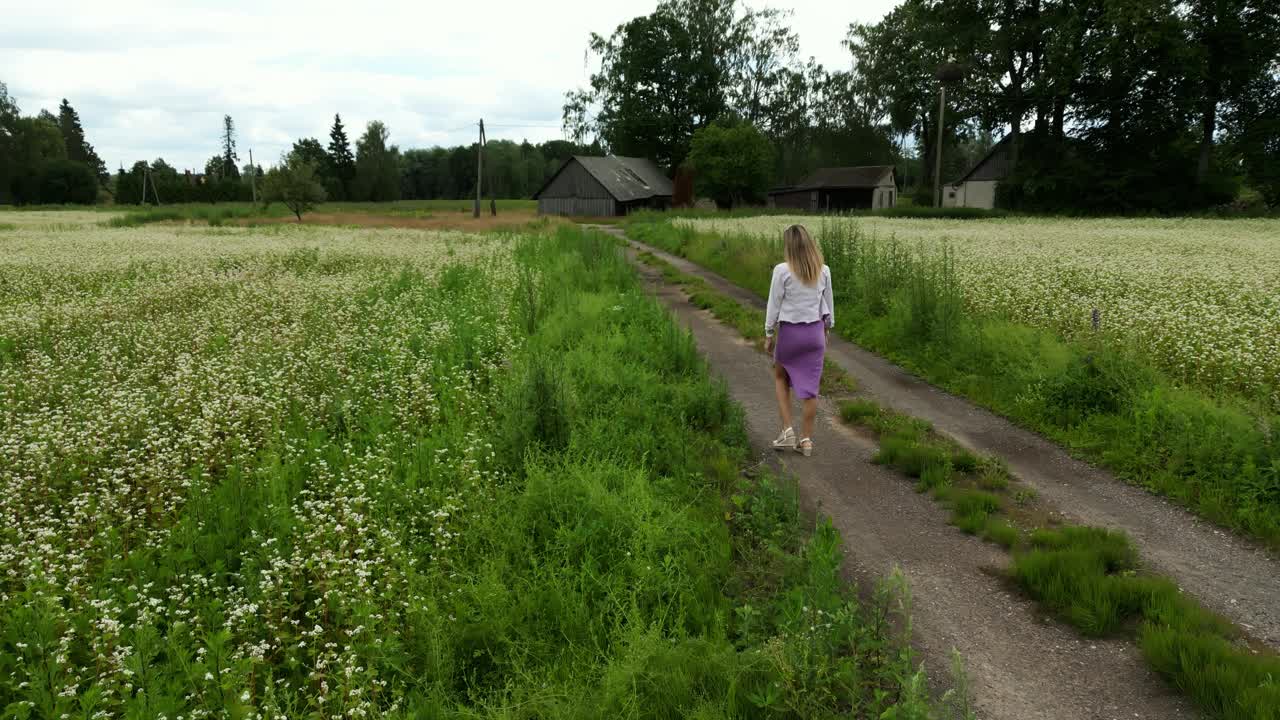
[(782, 387), (810, 412)]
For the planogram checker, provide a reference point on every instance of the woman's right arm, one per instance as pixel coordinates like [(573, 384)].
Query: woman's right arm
[(775, 302), (828, 305)]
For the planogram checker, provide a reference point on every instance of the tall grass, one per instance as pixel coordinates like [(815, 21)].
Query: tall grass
[(1217, 455), (1089, 577)]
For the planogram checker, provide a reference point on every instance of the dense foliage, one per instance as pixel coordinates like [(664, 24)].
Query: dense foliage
[(46, 159), (666, 75), (1113, 105), (732, 162)]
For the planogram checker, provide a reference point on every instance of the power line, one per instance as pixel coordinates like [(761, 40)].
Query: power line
[(531, 126)]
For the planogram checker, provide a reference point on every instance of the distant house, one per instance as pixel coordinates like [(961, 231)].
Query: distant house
[(977, 188), (604, 186), (840, 188), (194, 178)]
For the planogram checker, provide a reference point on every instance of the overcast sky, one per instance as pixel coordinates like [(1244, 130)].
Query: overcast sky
[(153, 79)]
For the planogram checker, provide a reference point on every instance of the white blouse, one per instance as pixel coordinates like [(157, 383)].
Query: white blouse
[(792, 301)]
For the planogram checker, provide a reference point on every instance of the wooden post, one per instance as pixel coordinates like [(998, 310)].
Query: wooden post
[(475, 213), (937, 163)]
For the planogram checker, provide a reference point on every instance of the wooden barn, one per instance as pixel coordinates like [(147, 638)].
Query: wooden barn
[(840, 188), (977, 188), (604, 186)]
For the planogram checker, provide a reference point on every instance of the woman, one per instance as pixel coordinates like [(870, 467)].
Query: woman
[(800, 316)]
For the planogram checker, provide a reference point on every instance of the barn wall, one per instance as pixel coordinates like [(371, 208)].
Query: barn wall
[(972, 193), (657, 202), (885, 196), (798, 200), (845, 199), (578, 207), (952, 196), (575, 181)]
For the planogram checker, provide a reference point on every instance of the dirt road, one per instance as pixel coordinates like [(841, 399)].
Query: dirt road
[(1021, 664), (1231, 575)]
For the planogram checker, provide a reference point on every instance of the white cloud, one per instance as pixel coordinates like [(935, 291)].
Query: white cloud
[(154, 79)]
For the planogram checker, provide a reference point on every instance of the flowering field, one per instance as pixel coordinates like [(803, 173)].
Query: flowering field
[(157, 384), (1198, 296), (314, 472)]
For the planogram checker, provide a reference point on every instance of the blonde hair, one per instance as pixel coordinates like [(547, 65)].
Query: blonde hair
[(804, 257)]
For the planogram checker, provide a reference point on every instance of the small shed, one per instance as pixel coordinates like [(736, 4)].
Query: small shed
[(977, 188), (604, 186), (840, 188)]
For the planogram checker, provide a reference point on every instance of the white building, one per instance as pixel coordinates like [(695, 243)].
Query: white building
[(977, 188)]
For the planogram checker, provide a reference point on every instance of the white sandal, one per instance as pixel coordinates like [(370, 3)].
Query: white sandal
[(785, 441), (805, 446)]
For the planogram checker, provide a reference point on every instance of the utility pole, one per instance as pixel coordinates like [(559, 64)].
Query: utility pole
[(947, 73), (937, 163), (253, 177), (479, 169)]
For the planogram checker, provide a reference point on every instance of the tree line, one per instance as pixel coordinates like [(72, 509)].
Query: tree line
[(45, 158), (375, 170), (1112, 105), (380, 171)]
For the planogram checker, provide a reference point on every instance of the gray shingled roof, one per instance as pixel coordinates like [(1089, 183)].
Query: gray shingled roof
[(626, 178), (867, 176)]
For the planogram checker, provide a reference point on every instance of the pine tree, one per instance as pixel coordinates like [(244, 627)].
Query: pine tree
[(341, 158), (79, 149), (229, 157), (72, 133)]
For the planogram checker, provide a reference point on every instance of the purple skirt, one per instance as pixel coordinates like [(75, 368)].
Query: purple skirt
[(800, 349)]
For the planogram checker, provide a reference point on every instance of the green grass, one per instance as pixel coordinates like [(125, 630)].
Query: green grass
[(971, 509), (475, 514), (1217, 455), (1089, 577), (1001, 532)]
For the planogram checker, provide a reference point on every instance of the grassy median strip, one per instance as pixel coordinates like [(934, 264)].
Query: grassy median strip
[(1090, 577)]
